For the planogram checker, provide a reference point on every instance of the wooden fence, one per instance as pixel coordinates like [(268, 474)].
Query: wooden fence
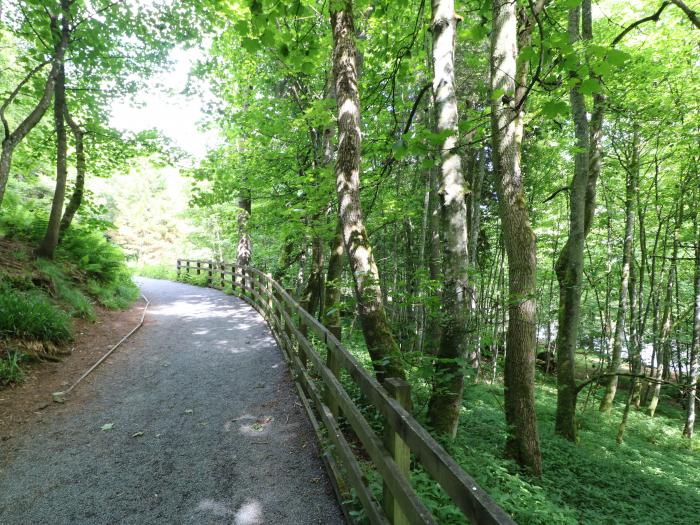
[(404, 443)]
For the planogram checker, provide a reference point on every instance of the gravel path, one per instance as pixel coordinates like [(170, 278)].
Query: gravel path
[(207, 429)]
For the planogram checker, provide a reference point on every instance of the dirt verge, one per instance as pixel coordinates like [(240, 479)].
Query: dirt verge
[(27, 402)]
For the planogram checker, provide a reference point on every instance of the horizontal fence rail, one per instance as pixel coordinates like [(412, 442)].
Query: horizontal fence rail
[(404, 443)]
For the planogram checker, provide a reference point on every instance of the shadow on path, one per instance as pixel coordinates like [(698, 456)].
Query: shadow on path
[(206, 429)]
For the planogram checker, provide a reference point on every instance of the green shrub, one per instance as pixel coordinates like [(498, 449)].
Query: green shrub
[(31, 315), (157, 271), (10, 367), (93, 254), (117, 295), (197, 280), (77, 303)]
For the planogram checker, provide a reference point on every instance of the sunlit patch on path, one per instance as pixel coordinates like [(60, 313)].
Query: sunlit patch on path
[(204, 427)]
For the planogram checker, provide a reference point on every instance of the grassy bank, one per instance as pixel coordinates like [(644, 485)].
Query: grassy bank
[(39, 298)]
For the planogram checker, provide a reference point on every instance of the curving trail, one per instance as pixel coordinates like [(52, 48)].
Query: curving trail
[(207, 429)]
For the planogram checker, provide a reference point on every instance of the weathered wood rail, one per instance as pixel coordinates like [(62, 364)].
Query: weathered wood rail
[(405, 443)]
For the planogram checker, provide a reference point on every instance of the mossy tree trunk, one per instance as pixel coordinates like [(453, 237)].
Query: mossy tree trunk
[(48, 245), (382, 347), (76, 198), (519, 239)]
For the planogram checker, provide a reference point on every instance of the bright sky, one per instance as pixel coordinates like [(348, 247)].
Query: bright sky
[(163, 106)]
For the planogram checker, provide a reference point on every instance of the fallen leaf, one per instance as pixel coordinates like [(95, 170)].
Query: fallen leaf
[(137, 434), (107, 427), (189, 411)]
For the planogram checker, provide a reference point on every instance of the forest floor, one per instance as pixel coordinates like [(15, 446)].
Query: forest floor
[(193, 420)]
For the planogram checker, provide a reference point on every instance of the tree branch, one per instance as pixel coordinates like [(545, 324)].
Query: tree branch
[(650, 18)]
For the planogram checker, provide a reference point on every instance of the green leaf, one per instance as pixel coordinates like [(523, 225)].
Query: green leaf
[(590, 86), (250, 44), (617, 57), (555, 108), (107, 427)]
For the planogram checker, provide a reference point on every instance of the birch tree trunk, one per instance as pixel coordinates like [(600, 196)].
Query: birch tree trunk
[(380, 341), (448, 384), (519, 240)]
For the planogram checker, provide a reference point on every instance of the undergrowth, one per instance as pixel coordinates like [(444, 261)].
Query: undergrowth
[(157, 271), (596, 481), (38, 297)]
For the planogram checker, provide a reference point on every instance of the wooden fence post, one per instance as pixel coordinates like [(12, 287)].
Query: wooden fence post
[(400, 390), (178, 266), (210, 268), (304, 329), (269, 306), (288, 329), (187, 267), (232, 267), (333, 364), (223, 277), (199, 267)]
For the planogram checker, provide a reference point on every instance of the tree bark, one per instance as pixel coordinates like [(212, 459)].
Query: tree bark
[(311, 299), (244, 250), (630, 201), (48, 245), (77, 197), (380, 341), (448, 383), (664, 349), (695, 346), (519, 240), (331, 314), (569, 266)]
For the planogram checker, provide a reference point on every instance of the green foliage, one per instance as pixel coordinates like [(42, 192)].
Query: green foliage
[(78, 305), (157, 271), (193, 278), (31, 315), (10, 367), (119, 294)]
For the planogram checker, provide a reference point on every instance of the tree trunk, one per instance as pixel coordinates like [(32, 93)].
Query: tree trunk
[(244, 250), (664, 343), (311, 299), (48, 245), (448, 384), (569, 266), (331, 315), (630, 201), (432, 322), (519, 240), (381, 345), (695, 346), (77, 196), (12, 139)]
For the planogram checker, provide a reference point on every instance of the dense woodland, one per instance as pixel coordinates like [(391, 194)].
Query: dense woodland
[(497, 201)]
